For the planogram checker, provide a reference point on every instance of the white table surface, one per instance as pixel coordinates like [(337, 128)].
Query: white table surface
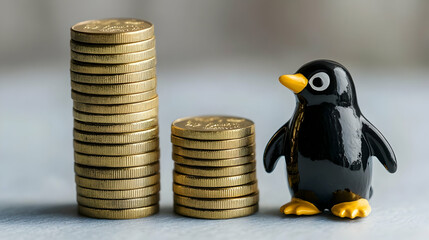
[(37, 191)]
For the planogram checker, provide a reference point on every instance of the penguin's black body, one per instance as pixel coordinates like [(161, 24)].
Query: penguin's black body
[(327, 143)]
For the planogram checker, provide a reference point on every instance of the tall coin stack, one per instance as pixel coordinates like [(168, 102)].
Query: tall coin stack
[(113, 80), (214, 171)]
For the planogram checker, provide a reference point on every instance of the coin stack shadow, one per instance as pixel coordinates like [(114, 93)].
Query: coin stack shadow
[(113, 81), (214, 171)]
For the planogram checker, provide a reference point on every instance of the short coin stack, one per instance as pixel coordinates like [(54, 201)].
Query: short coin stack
[(214, 172), (113, 80)]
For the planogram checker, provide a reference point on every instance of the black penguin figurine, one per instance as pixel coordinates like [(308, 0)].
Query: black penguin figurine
[(327, 144)]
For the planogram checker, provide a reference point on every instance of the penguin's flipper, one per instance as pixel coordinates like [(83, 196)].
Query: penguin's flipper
[(275, 148), (379, 146)]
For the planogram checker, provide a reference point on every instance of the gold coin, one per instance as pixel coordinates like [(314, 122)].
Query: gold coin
[(114, 78), (116, 149), (115, 89), (116, 128), (113, 99), (221, 192), (228, 162), (215, 171), (214, 154), (116, 173), (116, 138), (212, 127), (118, 108), (118, 213), (112, 31), (213, 144), (212, 204), (117, 161), (120, 184), (207, 182), (215, 214), (114, 58), (92, 68), (118, 204), (112, 48), (115, 118), (118, 194)]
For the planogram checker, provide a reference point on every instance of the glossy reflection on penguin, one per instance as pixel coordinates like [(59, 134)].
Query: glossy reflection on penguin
[(327, 144)]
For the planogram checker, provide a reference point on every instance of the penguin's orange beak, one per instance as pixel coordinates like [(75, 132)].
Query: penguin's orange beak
[(295, 82)]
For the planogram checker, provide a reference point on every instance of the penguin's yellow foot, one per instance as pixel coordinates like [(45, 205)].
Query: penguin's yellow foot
[(358, 208), (299, 207)]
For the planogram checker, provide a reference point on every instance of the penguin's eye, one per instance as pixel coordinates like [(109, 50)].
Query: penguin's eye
[(319, 81)]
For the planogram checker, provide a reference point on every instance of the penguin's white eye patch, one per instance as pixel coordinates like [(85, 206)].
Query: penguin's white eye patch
[(319, 81)]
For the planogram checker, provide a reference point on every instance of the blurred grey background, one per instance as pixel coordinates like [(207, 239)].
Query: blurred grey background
[(389, 33), (215, 57)]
